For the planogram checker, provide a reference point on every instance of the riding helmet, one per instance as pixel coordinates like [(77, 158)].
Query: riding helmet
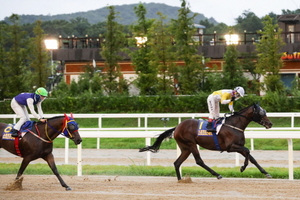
[(42, 92), (240, 90)]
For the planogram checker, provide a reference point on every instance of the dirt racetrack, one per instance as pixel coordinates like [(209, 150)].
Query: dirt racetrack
[(36, 187), (135, 188)]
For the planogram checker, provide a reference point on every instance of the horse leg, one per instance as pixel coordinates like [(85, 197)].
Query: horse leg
[(23, 166), (243, 151), (50, 160), (183, 156), (252, 160), (200, 162)]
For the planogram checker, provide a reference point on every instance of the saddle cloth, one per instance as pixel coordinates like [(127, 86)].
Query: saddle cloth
[(6, 135), (202, 131)]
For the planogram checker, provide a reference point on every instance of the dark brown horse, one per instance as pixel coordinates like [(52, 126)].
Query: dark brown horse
[(38, 142), (230, 138)]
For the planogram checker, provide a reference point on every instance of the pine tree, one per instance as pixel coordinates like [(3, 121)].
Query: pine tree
[(162, 56), (189, 75), (114, 44), (146, 74), (18, 72), (232, 71), (269, 60), (3, 73), (39, 57)]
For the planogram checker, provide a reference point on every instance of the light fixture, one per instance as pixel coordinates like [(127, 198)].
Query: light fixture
[(51, 44), (231, 39)]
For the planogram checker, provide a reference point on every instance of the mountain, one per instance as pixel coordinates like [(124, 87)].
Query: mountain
[(126, 14)]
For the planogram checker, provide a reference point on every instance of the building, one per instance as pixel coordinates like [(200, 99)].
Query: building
[(74, 53)]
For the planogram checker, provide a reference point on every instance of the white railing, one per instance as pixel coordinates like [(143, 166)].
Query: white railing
[(146, 132)]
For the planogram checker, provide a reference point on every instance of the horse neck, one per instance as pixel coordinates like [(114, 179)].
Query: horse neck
[(53, 128), (242, 119)]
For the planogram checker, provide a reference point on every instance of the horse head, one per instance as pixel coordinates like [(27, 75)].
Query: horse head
[(260, 116), (71, 129)]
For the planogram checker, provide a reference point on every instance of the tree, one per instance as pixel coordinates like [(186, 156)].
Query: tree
[(287, 11), (146, 74), (183, 29), (232, 71), (39, 57), (80, 26), (248, 21), (16, 65), (3, 73), (58, 27), (96, 29), (114, 44), (248, 63), (207, 25), (269, 60), (162, 56)]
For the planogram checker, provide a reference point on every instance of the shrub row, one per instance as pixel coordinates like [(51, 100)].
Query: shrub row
[(274, 102)]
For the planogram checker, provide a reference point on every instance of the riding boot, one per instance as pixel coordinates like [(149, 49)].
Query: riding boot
[(14, 133), (209, 127)]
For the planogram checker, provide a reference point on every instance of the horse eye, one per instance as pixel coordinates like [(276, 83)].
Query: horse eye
[(262, 112), (71, 126)]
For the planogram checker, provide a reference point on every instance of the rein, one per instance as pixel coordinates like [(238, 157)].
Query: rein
[(46, 132), (245, 118), (236, 128), (47, 141)]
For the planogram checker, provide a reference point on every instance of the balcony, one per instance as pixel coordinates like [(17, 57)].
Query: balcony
[(73, 49)]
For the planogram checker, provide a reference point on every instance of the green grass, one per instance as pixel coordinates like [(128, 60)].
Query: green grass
[(140, 170)]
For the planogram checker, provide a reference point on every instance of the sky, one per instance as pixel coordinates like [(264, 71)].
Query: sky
[(225, 11)]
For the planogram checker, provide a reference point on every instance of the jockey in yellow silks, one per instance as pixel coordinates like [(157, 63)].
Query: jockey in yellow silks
[(224, 96)]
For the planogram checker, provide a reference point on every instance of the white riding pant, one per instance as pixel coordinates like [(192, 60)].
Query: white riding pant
[(213, 106), (21, 111)]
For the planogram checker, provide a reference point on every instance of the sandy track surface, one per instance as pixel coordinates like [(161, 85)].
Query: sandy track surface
[(135, 188)]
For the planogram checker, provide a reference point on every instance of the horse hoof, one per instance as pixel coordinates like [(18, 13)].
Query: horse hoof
[(68, 188), (268, 176), (219, 177), (242, 169)]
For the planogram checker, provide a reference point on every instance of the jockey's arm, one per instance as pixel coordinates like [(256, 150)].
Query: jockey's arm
[(39, 108), (230, 106), (226, 98), (31, 108)]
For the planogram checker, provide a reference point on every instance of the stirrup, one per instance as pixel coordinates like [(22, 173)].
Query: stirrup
[(15, 133), (211, 130)]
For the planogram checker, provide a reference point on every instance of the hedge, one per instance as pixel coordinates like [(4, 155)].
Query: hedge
[(156, 104)]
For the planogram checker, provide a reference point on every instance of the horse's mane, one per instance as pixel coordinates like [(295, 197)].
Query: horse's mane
[(55, 117), (246, 108), (52, 118)]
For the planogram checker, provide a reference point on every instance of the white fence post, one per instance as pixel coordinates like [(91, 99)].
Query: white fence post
[(291, 159), (66, 150), (79, 159)]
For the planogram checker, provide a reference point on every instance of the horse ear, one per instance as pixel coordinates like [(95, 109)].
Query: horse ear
[(66, 116)]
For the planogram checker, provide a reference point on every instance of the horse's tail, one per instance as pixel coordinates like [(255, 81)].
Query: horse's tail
[(155, 147)]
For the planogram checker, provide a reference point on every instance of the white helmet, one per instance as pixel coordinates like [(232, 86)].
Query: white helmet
[(240, 90)]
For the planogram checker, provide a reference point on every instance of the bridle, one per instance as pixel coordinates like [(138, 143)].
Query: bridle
[(258, 114), (69, 123)]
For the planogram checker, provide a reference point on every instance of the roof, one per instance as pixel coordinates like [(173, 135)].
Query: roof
[(199, 26), (289, 18)]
